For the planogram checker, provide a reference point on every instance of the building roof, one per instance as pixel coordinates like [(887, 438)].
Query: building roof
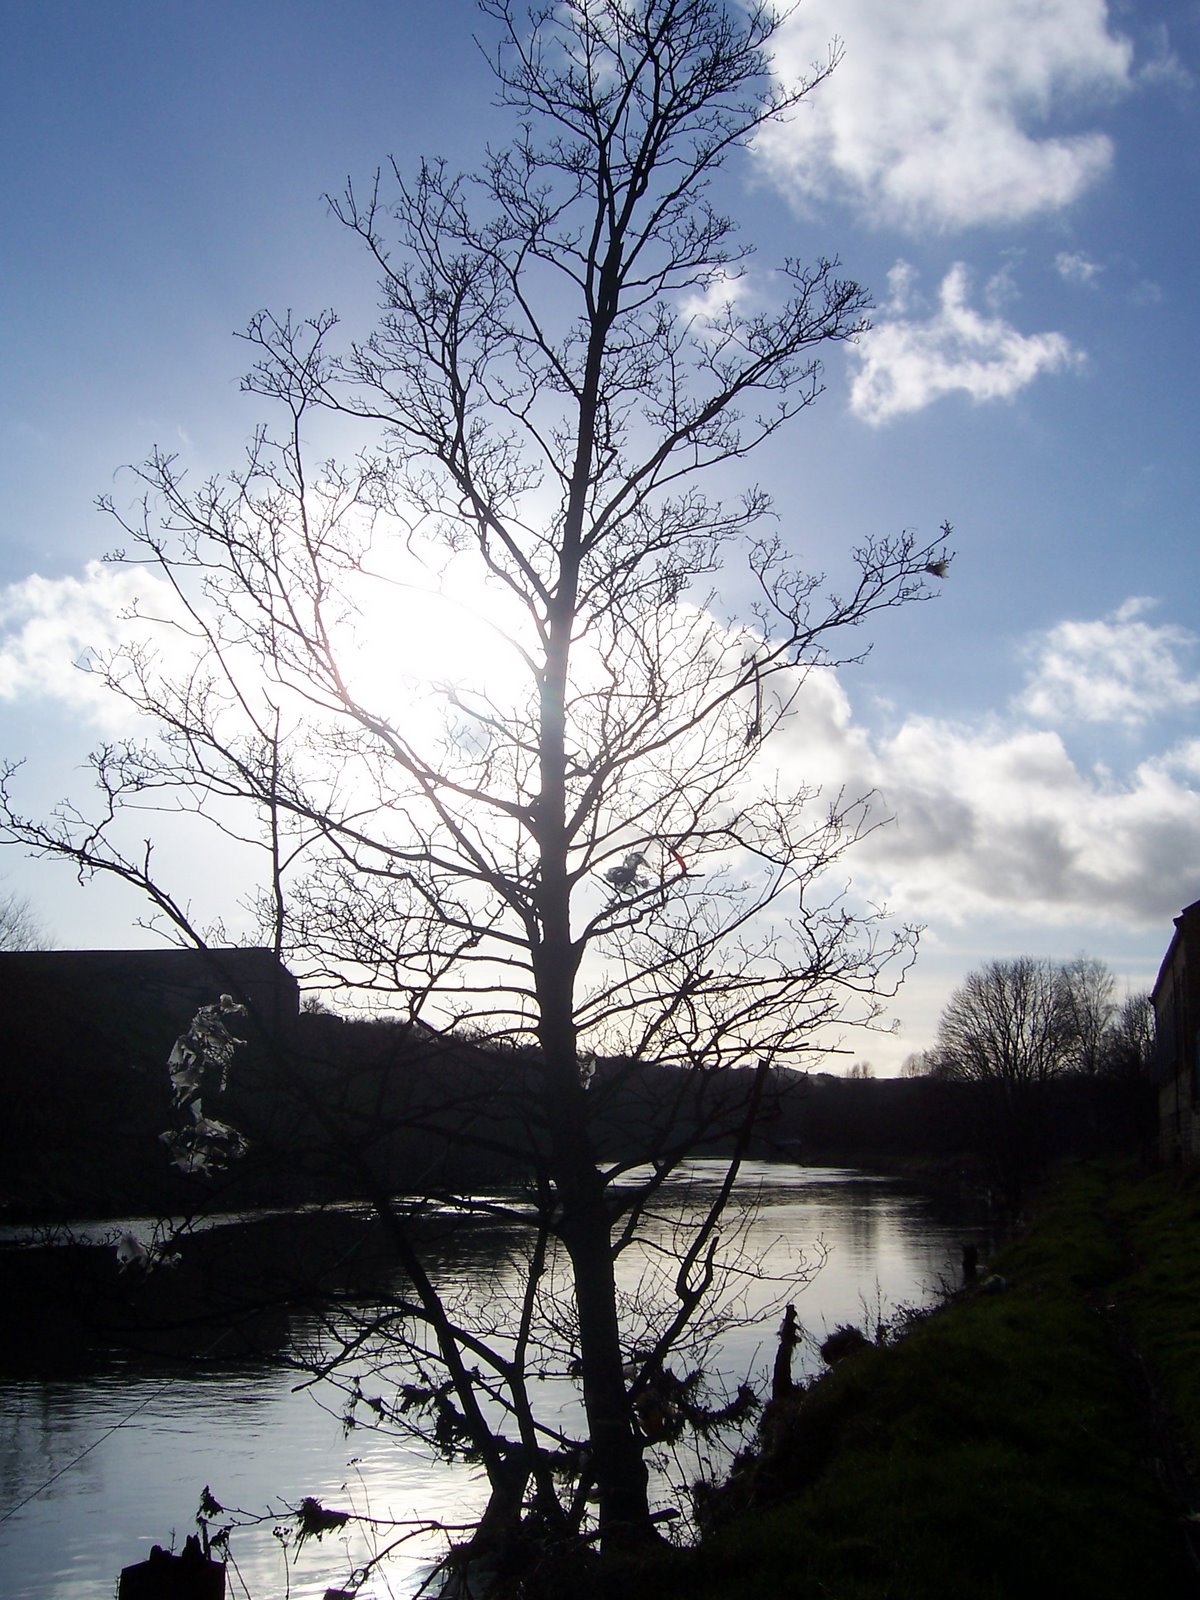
[(251, 974), (1187, 917)]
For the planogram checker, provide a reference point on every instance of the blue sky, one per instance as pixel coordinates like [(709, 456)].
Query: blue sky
[(1017, 185)]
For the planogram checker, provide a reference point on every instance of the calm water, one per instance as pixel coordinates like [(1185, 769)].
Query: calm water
[(125, 1452)]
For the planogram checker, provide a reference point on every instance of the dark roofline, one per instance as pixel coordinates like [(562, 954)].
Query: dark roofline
[(193, 956), (151, 953), (252, 972), (1188, 914)]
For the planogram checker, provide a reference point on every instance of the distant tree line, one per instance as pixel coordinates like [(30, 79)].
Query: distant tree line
[(1032, 1061), (1019, 1030)]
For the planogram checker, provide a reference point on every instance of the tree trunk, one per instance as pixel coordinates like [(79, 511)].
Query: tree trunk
[(616, 1451), (616, 1463)]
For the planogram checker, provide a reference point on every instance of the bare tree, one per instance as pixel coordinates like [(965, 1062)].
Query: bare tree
[(19, 926), (1129, 1040), (581, 850), (1088, 990), (1009, 1024), (919, 1064), (1011, 1028)]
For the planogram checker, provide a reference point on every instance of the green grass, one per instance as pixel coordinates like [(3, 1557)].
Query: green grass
[(1160, 1293), (1002, 1449)]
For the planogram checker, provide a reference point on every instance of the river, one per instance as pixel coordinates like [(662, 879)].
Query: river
[(98, 1465)]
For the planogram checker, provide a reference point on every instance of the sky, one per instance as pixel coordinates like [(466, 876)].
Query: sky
[(1018, 188)]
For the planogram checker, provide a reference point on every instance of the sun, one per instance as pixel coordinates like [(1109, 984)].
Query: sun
[(430, 640)]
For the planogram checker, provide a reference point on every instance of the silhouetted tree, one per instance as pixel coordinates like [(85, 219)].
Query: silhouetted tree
[(1014, 1029), (1088, 990), (1128, 1046), (919, 1064), (1010, 1024), (580, 850), (19, 925)]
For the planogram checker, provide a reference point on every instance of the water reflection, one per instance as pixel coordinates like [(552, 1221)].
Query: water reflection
[(125, 1448)]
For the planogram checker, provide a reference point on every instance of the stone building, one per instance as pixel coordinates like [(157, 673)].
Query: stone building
[(1176, 997)]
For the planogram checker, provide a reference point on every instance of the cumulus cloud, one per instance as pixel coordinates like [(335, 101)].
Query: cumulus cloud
[(1119, 669), (942, 112), (52, 628), (906, 363), (995, 819), (1002, 821), (998, 818)]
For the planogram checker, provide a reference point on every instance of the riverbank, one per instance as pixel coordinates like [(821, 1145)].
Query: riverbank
[(1035, 1434)]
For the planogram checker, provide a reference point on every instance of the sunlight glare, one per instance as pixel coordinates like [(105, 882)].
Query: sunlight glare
[(431, 640)]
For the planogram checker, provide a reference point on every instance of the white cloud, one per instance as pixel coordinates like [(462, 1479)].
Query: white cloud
[(1119, 669), (1074, 267), (998, 819), (54, 632), (1001, 290), (51, 627), (942, 112), (713, 304), (1183, 759), (994, 819), (905, 364), (1001, 821), (903, 294)]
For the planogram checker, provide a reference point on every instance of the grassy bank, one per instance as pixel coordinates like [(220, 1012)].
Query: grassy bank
[(1027, 1439)]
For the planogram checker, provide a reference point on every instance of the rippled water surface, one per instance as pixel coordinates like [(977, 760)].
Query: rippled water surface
[(118, 1456)]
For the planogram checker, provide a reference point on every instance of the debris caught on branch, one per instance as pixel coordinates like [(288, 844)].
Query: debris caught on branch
[(131, 1252), (845, 1340), (755, 726), (313, 1520), (199, 1060), (629, 874)]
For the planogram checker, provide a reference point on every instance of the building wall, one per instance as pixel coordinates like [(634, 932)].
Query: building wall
[(1176, 997), (85, 1037), (178, 981)]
